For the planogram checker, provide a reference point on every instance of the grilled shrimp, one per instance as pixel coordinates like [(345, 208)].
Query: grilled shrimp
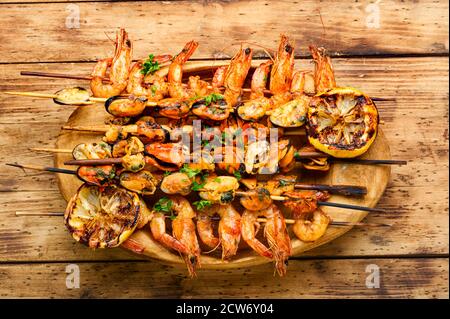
[(219, 78), (175, 75), (280, 83), (156, 89), (323, 71), (282, 70), (311, 226), (236, 74), (119, 69), (259, 80), (198, 87), (293, 113), (229, 229), (184, 239), (275, 232)]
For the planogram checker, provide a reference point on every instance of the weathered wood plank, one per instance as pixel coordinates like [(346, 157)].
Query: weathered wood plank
[(420, 227), (411, 27), (399, 278)]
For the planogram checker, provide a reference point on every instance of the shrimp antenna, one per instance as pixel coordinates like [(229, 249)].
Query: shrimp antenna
[(265, 49), (109, 38), (323, 25)]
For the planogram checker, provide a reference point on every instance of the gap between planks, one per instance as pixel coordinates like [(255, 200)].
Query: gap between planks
[(293, 259), (259, 58)]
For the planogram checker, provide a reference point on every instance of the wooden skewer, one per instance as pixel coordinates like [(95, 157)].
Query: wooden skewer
[(44, 168), (50, 150), (260, 220), (322, 203), (238, 193), (88, 78), (90, 101), (299, 157)]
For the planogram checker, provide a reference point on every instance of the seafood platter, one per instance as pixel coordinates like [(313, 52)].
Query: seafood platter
[(217, 164)]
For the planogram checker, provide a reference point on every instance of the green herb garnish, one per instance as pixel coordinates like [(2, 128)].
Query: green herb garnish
[(201, 204), (153, 88), (197, 186), (212, 98), (189, 171), (217, 180), (163, 205), (166, 173), (238, 175), (282, 182), (150, 66)]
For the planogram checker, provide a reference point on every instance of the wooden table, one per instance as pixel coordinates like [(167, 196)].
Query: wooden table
[(401, 53)]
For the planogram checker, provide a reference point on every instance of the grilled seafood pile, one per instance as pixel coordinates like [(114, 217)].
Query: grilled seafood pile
[(184, 161)]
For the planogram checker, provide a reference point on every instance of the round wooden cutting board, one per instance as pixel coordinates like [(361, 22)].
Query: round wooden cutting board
[(374, 177)]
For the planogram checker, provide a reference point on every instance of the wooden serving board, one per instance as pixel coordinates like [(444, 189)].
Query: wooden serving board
[(374, 177)]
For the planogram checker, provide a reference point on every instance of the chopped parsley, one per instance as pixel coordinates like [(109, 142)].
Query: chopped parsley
[(217, 180), (197, 186), (166, 173), (153, 88), (282, 182), (212, 98), (163, 205), (238, 175), (150, 66), (201, 204), (189, 171)]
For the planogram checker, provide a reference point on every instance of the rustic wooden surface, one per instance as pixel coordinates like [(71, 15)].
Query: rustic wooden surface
[(406, 58)]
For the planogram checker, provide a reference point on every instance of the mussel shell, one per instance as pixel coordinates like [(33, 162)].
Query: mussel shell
[(291, 114), (72, 96), (142, 182), (78, 154), (120, 99)]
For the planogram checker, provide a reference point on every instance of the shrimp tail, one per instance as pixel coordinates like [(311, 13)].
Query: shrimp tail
[(192, 262)]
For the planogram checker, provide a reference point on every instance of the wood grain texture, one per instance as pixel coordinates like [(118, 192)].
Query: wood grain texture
[(38, 32), (399, 278), (416, 125)]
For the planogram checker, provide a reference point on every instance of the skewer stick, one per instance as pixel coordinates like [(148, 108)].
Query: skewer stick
[(88, 78), (337, 189), (90, 101), (50, 150), (238, 193), (109, 161), (44, 168), (261, 220), (322, 203)]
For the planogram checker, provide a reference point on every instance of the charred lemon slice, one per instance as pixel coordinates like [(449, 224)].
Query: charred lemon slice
[(343, 122), (102, 217)]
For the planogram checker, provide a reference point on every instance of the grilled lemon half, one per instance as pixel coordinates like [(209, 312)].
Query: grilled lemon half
[(343, 122), (102, 217)]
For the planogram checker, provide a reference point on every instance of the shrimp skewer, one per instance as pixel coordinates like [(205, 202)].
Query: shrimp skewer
[(235, 75), (183, 239), (281, 73), (175, 75), (280, 83), (275, 232), (156, 88), (119, 69), (229, 229)]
